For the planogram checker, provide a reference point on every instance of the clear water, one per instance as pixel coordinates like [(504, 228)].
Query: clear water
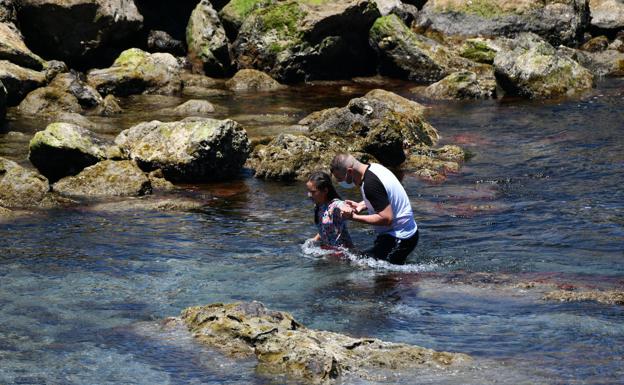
[(83, 290)]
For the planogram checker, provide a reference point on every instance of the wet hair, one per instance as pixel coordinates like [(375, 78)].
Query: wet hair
[(321, 181)]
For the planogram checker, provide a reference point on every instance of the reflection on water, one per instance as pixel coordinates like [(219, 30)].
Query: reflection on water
[(83, 290)]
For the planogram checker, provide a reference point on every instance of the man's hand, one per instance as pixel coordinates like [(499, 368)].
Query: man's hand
[(346, 212), (357, 207)]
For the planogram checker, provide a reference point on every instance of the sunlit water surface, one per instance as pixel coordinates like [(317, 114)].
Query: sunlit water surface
[(83, 290)]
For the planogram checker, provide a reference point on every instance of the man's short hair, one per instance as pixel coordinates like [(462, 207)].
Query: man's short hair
[(342, 162)]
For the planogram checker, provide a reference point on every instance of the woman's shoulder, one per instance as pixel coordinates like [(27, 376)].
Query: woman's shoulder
[(335, 204)]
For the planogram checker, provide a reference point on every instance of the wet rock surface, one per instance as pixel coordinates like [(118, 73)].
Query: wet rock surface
[(64, 149), (20, 187), (106, 179), (252, 80), (193, 149), (463, 85), (284, 346), (535, 69), (611, 297), (136, 71)]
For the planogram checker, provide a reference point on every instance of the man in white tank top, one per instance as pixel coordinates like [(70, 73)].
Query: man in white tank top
[(387, 203)]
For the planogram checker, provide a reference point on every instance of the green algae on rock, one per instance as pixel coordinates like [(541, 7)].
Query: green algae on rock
[(284, 346)]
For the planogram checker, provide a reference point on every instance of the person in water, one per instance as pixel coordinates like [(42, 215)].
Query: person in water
[(388, 207), (332, 228)]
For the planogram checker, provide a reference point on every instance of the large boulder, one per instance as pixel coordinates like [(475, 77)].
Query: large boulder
[(286, 347), (252, 80), (65, 149), (68, 92), (609, 62), (607, 14), (234, 13), (161, 41), (190, 150), (298, 40), (403, 53), (208, 46), (13, 49), (79, 32), (136, 71), (381, 127), (19, 81), (106, 179), (558, 21), (20, 187), (535, 69)]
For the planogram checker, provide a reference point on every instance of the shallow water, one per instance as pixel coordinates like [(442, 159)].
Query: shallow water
[(83, 290)]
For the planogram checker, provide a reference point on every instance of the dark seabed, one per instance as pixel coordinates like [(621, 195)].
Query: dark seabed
[(83, 290)]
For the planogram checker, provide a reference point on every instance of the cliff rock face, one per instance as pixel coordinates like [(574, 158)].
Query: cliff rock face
[(284, 346)]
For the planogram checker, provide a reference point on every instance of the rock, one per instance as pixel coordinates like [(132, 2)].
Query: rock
[(386, 6), (107, 178), (557, 21), (434, 164), (596, 44), (7, 11), (190, 150), (607, 14), (406, 12), (208, 46), (405, 54), (463, 85), (234, 13), (612, 297), (252, 80), (170, 18), (20, 187), (606, 63), (294, 41), (191, 108), (158, 181), (3, 101), (289, 157), (110, 106), (13, 49), (79, 32), (284, 346), (481, 50), (136, 72), (161, 41), (535, 69), (68, 92), (54, 67), (19, 81), (379, 126), (65, 149)]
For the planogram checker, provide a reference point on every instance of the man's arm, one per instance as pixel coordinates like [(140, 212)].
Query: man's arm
[(382, 218)]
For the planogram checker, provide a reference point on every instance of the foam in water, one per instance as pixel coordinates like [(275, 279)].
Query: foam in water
[(312, 249)]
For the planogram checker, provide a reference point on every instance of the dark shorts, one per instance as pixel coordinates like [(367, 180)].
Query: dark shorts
[(391, 249)]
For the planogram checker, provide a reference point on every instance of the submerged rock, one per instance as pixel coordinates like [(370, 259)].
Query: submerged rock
[(284, 346), (535, 69), (190, 150), (136, 72), (64, 149), (208, 46), (611, 297), (106, 179), (20, 187), (252, 80), (557, 21), (191, 108)]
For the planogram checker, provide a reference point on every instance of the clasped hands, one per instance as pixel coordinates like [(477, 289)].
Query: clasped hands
[(350, 207)]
